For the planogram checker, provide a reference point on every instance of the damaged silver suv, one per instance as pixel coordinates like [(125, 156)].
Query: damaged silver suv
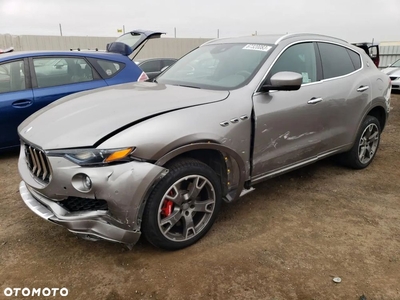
[(159, 157)]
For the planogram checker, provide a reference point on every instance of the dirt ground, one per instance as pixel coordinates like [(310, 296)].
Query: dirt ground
[(286, 240)]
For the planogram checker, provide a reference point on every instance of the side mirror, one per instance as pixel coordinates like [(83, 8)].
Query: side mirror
[(284, 81)]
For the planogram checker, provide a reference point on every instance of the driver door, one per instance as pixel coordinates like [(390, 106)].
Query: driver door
[(288, 126)]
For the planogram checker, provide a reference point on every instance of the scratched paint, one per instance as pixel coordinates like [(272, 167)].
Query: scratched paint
[(285, 136)]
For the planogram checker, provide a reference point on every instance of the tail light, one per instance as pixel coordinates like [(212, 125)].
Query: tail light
[(376, 61), (143, 77)]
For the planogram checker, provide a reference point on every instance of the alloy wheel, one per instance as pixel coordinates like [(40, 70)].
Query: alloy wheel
[(368, 143), (186, 208)]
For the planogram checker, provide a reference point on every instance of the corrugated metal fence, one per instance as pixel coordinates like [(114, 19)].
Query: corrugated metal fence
[(389, 53), (164, 47)]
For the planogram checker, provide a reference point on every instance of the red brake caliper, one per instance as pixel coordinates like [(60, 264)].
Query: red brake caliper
[(167, 207)]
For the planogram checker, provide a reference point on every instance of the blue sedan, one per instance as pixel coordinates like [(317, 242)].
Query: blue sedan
[(32, 80)]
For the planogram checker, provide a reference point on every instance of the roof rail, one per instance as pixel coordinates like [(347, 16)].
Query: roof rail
[(290, 35), (79, 49)]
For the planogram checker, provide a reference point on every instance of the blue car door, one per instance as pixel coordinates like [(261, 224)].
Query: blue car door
[(16, 100), (54, 77)]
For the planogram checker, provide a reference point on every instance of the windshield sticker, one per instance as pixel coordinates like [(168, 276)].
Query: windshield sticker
[(256, 47)]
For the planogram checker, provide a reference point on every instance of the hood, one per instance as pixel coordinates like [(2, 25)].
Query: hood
[(391, 71), (83, 119), (388, 70), (129, 42)]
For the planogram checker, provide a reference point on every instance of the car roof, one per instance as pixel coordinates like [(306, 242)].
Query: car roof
[(154, 58), (273, 39), (94, 54)]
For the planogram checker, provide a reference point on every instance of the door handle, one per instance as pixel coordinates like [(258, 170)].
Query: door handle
[(314, 100), (363, 88), (22, 103)]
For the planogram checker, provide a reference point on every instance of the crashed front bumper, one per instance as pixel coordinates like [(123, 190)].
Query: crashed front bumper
[(124, 187), (91, 224), (396, 84)]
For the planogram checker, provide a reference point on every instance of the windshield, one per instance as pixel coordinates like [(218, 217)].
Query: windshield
[(396, 64), (129, 39), (223, 66)]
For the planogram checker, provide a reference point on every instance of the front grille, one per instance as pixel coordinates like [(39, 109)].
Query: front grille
[(394, 77), (73, 204), (38, 163)]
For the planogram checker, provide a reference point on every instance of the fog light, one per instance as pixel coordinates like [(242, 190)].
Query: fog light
[(82, 182), (87, 182)]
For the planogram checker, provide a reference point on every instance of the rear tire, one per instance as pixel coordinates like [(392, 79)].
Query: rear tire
[(183, 206), (365, 146)]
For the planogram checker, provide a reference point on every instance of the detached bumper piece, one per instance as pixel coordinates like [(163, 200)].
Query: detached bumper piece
[(85, 217)]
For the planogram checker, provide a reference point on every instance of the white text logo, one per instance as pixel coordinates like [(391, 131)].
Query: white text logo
[(27, 292)]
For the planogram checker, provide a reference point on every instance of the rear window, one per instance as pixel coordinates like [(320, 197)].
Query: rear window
[(355, 58), (336, 60), (110, 68), (12, 78)]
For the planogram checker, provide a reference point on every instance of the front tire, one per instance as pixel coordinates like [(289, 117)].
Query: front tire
[(183, 206), (365, 146)]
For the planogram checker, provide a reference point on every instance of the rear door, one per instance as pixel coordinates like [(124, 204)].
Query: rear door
[(54, 77), (347, 93), (16, 99)]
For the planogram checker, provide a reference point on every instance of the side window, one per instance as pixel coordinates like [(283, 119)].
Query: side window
[(151, 66), (54, 71), (111, 68), (336, 60), (168, 62), (355, 58), (299, 58), (12, 77)]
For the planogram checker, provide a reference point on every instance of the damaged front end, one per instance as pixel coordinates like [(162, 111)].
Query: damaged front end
[(102, 202)]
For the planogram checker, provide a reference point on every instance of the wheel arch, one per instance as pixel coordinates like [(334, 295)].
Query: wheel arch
[(380, 113), (228, 164), (377, 111)]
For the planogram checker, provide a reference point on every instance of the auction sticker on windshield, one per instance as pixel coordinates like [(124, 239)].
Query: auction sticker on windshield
[(257, 47)]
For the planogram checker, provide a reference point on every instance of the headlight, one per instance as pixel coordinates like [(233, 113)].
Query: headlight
[(89, 157)]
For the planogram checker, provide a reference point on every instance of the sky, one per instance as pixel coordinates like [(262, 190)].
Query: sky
[(352, 20)]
